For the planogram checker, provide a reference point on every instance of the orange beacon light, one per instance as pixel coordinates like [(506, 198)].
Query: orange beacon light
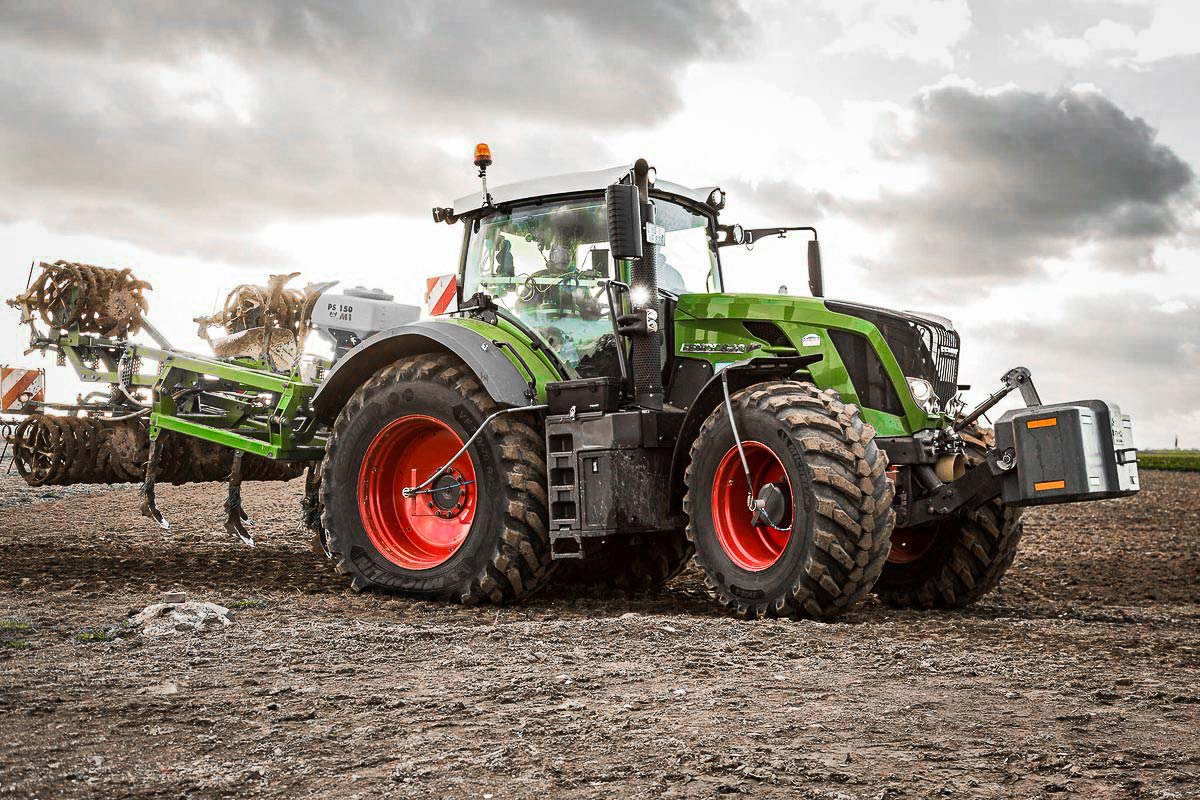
[(483, 156)]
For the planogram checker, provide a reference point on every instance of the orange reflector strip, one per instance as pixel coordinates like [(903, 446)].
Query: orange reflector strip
[(1047, 485), (1048, 422)]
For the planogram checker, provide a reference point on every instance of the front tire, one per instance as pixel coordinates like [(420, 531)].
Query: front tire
[(482, 535), (817, 461), (952, 562)]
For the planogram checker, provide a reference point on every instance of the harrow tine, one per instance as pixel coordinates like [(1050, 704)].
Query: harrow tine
[(149, 508), (235, 515)]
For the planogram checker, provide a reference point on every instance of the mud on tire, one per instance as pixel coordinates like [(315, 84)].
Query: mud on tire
[(841, 508), (969, 555), (506, 553)]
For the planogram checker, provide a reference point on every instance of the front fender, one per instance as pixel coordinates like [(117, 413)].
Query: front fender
[(504, 380), (741, 375)]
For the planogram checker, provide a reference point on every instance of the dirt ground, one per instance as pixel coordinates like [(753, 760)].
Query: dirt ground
[(1079, 677)]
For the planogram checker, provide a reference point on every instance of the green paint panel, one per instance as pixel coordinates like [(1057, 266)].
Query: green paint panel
[(717, 319)]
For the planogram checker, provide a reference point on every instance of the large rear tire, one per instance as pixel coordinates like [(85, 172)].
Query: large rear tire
[(482, 535), (955, 561), (818, 462)]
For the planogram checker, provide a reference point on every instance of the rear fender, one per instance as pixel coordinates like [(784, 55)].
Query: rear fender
[(507, 383)]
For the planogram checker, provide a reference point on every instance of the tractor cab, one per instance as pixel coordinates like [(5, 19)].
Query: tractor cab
[(540, 251)]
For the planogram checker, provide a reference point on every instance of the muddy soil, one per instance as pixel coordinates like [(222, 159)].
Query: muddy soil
[(1079, 677), (15, 492)]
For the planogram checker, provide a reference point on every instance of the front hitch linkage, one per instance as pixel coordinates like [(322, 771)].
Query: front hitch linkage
[(1016, 378)]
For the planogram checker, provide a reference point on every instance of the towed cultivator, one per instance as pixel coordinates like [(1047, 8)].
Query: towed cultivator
[(588, 406), (209, 419)]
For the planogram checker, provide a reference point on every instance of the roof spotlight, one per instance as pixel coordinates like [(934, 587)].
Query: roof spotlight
[(716, 199)]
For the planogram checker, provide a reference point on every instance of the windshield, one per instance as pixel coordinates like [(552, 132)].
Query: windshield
[(547, 265)]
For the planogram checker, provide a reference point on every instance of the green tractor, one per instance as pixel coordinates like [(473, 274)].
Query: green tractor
[(597, 409)]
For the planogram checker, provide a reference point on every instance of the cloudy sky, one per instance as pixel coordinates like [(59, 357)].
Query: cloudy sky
[(1026, 168)]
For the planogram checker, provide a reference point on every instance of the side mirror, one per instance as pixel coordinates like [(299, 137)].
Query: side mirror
[(816, 283), (624, 221)]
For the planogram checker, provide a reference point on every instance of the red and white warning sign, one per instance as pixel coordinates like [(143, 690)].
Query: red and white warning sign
[(441, 294), (19, 386)]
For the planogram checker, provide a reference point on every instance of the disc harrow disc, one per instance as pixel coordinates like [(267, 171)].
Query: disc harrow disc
[(87, 298)]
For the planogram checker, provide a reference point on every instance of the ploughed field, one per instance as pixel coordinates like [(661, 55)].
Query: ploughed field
[(1079, 677)]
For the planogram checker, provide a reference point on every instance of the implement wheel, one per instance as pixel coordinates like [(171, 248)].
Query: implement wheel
[(952, 562), (478, 532), (815, 464)]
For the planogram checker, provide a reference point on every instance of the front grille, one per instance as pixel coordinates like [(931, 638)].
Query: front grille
[(923, 348), (943, 343)]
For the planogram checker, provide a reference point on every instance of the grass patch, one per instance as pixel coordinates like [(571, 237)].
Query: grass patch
[(1184, 460), (10, 624), (17, 644), (96, 635), (251, 602)]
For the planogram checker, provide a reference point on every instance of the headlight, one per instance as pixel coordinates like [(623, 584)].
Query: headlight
[(716, 199), (922, 392)]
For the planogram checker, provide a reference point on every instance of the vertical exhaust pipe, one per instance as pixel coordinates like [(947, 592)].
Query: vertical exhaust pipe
[(643, 285), (634, 237)]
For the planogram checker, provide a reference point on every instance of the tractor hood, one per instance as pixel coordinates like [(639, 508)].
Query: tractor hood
[(924, 346), (775, 307), (787, 308)]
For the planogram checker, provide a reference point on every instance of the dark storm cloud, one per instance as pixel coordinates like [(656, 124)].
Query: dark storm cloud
[(111, 124), (610, 61), (1015, 177), (94, 147)]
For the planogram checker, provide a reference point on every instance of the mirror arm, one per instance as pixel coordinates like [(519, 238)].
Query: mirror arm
[(752, 235)]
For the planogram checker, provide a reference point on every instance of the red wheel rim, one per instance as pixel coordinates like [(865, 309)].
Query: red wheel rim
[(425, 530), (751, 547), (909, 544)]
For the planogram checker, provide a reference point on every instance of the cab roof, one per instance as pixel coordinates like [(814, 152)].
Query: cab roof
[(572, 183)]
